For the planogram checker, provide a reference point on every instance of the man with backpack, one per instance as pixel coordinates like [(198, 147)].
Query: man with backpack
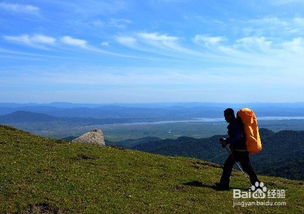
[(236, 142)]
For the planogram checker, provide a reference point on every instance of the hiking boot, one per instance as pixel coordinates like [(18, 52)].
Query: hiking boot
[(220, 186)]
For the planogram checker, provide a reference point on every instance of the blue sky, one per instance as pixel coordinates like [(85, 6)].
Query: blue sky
[(124, 51)]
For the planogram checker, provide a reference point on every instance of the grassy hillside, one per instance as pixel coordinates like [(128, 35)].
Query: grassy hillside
[(40, 175)]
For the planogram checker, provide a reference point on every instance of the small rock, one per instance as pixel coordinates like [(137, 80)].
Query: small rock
[(93, 137)]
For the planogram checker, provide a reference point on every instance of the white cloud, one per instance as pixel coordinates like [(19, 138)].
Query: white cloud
[(98, 23), (20, 8), (95, 8), (295, 45), (126, 40), (269, 20), (282, 2), (39, 40), (154, 41), (74, 41), (208, 40), (119, 23), (25, 39), (158, 39), (169, 44), (299, 20), (270, 25), (43, 39), (106, 44), (34, 40), (43, 42), (260, 43)]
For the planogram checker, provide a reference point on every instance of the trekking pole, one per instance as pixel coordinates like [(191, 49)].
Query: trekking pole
[(237, 163)]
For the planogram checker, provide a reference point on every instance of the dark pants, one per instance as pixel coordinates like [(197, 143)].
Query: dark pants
[(243, 159)]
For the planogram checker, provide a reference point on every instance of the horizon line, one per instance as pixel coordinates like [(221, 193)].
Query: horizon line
[(141, 103)]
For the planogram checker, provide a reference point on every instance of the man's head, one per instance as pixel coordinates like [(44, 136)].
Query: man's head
[(229, 115)]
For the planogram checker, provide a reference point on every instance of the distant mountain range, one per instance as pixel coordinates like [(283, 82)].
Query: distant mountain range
[(34, 117), (169, 111), (26, 116), (282, 155)]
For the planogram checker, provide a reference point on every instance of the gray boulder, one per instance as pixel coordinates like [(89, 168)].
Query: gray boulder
[(93, 137)]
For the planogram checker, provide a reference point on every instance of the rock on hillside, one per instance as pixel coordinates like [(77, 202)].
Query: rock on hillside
[(93, 137)]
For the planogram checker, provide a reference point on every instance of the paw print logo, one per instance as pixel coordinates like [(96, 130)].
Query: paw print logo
[(258, 185), (258, 190)]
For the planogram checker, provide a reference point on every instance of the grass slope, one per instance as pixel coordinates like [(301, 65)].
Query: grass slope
[(40, 175)]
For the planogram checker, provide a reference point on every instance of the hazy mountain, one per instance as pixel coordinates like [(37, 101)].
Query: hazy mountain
[(134, 142), (25, 116), (152, 111), (34, 119)]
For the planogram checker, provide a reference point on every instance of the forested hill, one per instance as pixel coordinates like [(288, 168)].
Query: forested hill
[(282, 154)]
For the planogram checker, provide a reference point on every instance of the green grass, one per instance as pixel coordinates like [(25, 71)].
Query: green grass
[(44, 175)]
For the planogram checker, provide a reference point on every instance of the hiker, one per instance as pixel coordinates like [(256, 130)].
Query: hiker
[(236, 143)]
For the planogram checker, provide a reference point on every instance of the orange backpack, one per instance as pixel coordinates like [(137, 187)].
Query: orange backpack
[(253, 140)]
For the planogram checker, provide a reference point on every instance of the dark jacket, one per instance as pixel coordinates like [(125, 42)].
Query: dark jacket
[(236, 135)]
